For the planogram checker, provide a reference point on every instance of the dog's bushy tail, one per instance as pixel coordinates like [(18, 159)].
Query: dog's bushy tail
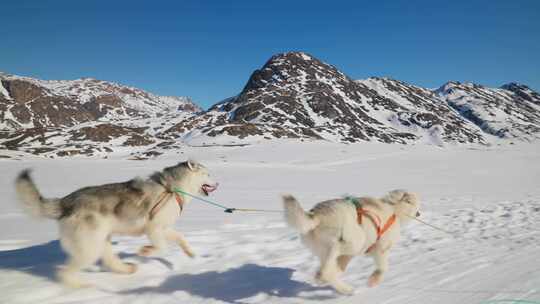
[(31, 199), (296, 217)]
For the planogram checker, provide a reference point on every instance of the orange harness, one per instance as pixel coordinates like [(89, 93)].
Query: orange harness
[(376, 220), (162, 198)]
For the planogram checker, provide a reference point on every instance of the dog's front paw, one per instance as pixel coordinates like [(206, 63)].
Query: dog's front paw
[(345, 289), (124, 268), (131, 268), (190, 253), (318, 278), (72, 280), (375, 279), (146, 251)]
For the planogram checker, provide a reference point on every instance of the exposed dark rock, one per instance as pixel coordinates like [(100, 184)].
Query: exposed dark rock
[(108, 132), (523, 91)]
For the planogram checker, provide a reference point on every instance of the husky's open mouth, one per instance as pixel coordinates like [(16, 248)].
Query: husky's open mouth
[(206, 188)]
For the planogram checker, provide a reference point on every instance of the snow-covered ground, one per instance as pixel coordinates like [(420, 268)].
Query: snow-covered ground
[(489, 198)]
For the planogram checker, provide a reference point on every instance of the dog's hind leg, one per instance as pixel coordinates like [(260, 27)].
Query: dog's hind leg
[(111, 260), (84, 248), (330, 272), (69, 273), (178, 238)]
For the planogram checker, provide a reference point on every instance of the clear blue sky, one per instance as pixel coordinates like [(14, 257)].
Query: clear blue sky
[(208, 49)]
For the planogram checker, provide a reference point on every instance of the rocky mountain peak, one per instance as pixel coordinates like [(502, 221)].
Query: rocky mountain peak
[(452, 86), (523, 91), (67, 117), (295, 94), (445, 88), (291, 67), (507, 112), (28, 102), (293, 89)]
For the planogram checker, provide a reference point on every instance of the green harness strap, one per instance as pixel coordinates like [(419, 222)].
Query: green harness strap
[(353, 200)]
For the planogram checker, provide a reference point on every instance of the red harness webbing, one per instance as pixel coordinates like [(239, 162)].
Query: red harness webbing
[(376, 220), (162, 199)]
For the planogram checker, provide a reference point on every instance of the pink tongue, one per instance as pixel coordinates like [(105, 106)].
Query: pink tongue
[(209, 188)]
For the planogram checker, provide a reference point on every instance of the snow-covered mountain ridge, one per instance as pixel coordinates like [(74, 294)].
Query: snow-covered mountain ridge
[(28, 102), (83, 116), (512, 111), (294, 95)]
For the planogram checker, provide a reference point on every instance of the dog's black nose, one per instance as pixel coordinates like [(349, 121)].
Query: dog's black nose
[(417, 213)]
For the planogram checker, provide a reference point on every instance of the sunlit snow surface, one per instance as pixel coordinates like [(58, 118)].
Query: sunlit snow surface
[(488, 196)]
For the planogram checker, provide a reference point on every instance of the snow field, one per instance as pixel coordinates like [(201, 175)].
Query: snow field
[(488, 198)]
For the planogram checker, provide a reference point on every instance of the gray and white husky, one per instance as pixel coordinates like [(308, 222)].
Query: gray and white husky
[(337, 230), (89, 216)]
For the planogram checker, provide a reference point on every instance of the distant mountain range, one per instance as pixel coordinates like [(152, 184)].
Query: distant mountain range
[(83, 116), (294, 95)]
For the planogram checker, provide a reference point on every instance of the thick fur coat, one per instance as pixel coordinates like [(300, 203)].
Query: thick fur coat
[(331, 230), (89, 216)]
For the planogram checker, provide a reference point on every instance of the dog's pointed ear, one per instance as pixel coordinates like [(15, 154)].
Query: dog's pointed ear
[(395, 196), (411, 197), (192, 165)]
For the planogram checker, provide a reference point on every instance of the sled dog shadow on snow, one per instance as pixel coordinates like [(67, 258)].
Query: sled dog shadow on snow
[(43, 260), (39, 260), (238, 283)]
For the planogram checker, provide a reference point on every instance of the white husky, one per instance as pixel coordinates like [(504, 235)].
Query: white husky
[(336, 230), (89, 216)]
